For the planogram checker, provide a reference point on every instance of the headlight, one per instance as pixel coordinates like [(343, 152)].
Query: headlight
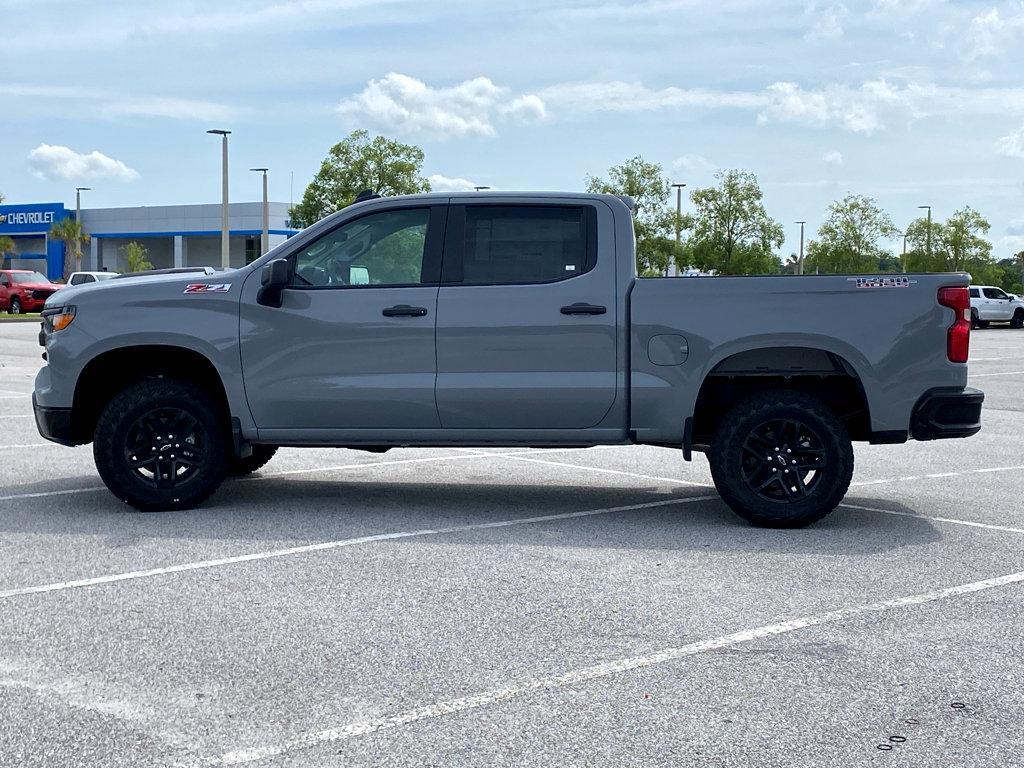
[(59, 318)]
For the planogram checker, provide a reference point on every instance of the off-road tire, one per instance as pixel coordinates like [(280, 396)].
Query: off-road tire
[(15, 306), (202, 444), (261, 454), (736, 473)]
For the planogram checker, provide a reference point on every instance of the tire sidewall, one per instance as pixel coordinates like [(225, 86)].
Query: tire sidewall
[(727, 453), (111, 437)]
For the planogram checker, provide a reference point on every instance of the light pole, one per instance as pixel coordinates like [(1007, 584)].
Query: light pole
[(481, 187), (903, 261), (929, 248), (800, 260), (265, 236), (679, 217), (78, 221), (225, 251)]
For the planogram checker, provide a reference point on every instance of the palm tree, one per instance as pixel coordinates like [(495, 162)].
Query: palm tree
[(6, 246), (69, 232)]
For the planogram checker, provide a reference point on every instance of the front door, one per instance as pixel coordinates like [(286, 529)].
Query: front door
[(352, 345), (526, 318)]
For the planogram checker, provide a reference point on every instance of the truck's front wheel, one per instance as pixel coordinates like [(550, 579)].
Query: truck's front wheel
[(161, 445), (781, 459)]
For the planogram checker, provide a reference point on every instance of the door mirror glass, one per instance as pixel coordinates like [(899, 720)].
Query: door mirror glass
[(273, 280)]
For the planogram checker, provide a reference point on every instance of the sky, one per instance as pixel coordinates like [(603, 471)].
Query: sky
[(911, 102)]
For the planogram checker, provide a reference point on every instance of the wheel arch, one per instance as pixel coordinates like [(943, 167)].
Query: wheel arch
[(111, 371), (819, 370)]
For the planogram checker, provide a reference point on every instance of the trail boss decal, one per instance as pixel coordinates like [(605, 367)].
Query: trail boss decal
[(207, 288), (880, 282)]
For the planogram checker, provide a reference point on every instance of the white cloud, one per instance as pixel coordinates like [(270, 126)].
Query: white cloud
[(695, 165), (619, 96), (439, 183), (1012, 145), (825, 20), (403, 104), (990, 32), (833, 157), (111, 104), (55, 162)]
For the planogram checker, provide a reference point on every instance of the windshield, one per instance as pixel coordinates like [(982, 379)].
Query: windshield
[(28, 277)]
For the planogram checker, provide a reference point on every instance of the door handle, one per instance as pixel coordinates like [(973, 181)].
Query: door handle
[(582, 308), (404, 310)]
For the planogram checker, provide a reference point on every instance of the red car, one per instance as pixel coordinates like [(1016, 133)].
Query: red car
[(24, 291)]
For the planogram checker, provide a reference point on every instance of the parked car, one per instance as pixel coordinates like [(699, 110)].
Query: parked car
[(500, 320), (990, 304), (24, 291), (78, 278)]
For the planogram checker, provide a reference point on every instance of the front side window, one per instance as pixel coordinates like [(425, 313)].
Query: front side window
[(525, 244), (995, 293), (383, 249)]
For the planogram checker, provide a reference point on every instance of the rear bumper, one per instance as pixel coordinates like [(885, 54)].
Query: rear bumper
[(946, 412), (53, 424)]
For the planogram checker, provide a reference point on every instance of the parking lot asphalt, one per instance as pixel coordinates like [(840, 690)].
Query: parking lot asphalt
[(487, 607)]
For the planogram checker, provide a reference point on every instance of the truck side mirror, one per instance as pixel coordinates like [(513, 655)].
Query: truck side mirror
[(273, 280)]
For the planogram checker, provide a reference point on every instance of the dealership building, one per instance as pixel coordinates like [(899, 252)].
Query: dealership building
[(174, 236)]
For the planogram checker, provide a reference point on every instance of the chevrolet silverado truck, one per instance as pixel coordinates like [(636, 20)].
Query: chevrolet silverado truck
[(500, 319)]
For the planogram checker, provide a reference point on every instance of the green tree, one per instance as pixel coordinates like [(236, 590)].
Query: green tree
[(848, 240), (135, 256), (732, 233), (653, 221), (69, 231), (6, 247), (355, 164), (958, 244)]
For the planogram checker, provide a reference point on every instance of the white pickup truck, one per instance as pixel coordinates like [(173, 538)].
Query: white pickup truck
[(990, 304)]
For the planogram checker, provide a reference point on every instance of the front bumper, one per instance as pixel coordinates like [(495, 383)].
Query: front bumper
[(947, 412), (53, 424)]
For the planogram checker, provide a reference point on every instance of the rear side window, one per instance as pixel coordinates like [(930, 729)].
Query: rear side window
[(76, 279), (504, 244), (975, 294)]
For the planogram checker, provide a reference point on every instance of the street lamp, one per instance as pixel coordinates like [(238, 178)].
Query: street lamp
[(78, 220), (225, 252), (679, 216), (481, 187), (265, 237), (800, 260), (929, 230)]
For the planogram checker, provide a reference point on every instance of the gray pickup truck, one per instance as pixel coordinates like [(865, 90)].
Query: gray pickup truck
[(500, 319)]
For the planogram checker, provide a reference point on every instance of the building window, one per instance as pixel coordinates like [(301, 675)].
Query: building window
[(252, 249)]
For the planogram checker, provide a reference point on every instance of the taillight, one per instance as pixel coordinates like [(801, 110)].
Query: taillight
[(958, 337)]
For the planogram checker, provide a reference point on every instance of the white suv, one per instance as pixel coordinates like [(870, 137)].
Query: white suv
[(990, 304)]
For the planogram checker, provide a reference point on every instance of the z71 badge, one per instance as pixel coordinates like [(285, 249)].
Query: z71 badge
[(207, 288), (886, 282)]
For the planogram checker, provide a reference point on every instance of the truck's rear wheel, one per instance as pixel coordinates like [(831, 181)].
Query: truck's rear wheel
[(161, 445), (261, 454), (781, 459)]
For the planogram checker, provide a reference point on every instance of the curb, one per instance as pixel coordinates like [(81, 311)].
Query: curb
[(16, 319)]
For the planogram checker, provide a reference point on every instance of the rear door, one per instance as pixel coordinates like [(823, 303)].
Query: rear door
[(526, 317)]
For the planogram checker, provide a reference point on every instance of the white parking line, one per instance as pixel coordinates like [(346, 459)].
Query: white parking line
[(27, 445), (603, 670), (321, 546), (959, 521), (860, 483), (1001, 373), (304, 471)]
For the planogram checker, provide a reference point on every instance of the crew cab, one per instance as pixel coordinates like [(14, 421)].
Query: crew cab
[(990, 304), (24, 291), (500, 319)]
